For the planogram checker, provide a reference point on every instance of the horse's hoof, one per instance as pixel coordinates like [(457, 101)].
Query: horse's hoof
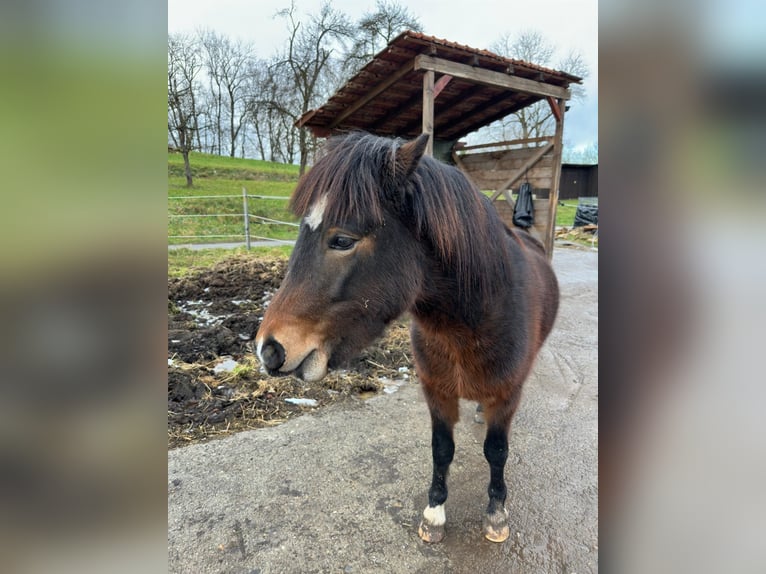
[(430, 533), (496, 527)]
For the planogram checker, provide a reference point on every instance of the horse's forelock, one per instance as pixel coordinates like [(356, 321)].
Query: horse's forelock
[(350, 173)]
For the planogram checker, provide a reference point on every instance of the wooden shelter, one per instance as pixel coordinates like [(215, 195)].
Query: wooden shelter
[(421, 84)]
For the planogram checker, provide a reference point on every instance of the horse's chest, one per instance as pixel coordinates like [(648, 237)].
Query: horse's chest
[(455, 365)]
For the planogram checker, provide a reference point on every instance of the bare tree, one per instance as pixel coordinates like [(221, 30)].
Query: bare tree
[(376, 29), (257, 104), (184, 64), (587, 155), (309, 57), (272, 108), (535, 120), (226, 62)]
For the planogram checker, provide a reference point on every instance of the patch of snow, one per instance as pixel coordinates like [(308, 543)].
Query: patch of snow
[(303, 402), (225, 366), (390, 386), (201, 315)]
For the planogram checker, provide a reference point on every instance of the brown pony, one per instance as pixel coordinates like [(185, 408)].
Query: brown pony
[(386, 231)]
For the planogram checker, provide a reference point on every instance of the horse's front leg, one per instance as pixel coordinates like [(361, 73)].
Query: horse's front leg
[(444, 415), (498, 417)]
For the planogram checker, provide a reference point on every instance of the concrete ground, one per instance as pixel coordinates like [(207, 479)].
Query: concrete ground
[(342, 490)]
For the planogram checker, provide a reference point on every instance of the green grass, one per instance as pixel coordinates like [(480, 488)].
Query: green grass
[(207, 165), (565, 214), (225, 176), (182, 262)]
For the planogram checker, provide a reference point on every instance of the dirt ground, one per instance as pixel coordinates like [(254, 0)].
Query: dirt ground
[(215, 384)]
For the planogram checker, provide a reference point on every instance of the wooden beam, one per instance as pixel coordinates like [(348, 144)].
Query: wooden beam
[(553, 196), (446, 106), (428, 110), (522, 170), (490, 78), (408, 103), (507, 143), (509, 199), (441, 84), (554, 108), (374, 93)]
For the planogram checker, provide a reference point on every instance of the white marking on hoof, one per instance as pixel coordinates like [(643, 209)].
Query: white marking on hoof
[(431, 528), (316, 213), (434, 515)]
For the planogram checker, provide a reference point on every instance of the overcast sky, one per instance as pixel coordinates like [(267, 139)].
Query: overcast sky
[(569, 25)]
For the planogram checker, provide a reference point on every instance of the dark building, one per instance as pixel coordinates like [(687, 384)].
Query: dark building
[(578, 181)]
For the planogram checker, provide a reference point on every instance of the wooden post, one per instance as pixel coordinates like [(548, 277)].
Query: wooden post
[(558, 108), (428, 110), (247, 218)]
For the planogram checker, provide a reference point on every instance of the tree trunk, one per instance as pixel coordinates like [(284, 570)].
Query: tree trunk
[(187, 168)]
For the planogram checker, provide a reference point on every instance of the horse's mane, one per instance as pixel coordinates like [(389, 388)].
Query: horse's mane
[(357, 173)]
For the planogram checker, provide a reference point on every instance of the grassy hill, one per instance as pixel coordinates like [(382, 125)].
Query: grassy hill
[(209, 216)]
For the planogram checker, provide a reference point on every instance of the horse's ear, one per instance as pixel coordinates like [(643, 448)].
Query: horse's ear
[(408, 156)]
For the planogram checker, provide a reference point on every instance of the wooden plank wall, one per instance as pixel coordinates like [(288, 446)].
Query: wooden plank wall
[(491, 169)]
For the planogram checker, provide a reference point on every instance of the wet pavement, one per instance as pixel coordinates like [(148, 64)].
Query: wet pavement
[(342, 489)]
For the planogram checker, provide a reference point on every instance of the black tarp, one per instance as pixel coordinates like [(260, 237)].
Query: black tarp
[(586, 214), (524, 210)]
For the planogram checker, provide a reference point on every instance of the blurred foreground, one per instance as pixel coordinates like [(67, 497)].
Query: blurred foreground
[(682, 433)]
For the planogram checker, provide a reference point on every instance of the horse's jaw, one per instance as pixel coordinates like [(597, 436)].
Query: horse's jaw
[(314, 367)]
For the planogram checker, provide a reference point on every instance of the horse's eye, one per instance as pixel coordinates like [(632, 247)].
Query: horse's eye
[(342, 242)]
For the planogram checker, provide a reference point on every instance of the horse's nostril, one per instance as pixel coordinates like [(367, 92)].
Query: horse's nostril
[(272, 354)]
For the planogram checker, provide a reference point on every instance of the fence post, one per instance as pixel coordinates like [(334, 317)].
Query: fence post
[(247, 219)]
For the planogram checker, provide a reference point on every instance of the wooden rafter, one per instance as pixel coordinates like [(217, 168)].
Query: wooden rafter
[(444, 105), (374, 93), (483, 120)]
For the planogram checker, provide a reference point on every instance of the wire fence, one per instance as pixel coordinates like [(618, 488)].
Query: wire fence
[(244, 216)]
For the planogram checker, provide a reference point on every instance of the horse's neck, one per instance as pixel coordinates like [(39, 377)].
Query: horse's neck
[(443, 302)]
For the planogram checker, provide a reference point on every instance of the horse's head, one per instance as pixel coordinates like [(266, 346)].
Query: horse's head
[(355, 266)]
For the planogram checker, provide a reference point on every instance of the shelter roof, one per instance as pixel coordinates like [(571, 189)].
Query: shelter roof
[(473, 88)]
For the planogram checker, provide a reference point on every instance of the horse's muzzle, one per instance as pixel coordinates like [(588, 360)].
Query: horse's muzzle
[(272, 354)]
